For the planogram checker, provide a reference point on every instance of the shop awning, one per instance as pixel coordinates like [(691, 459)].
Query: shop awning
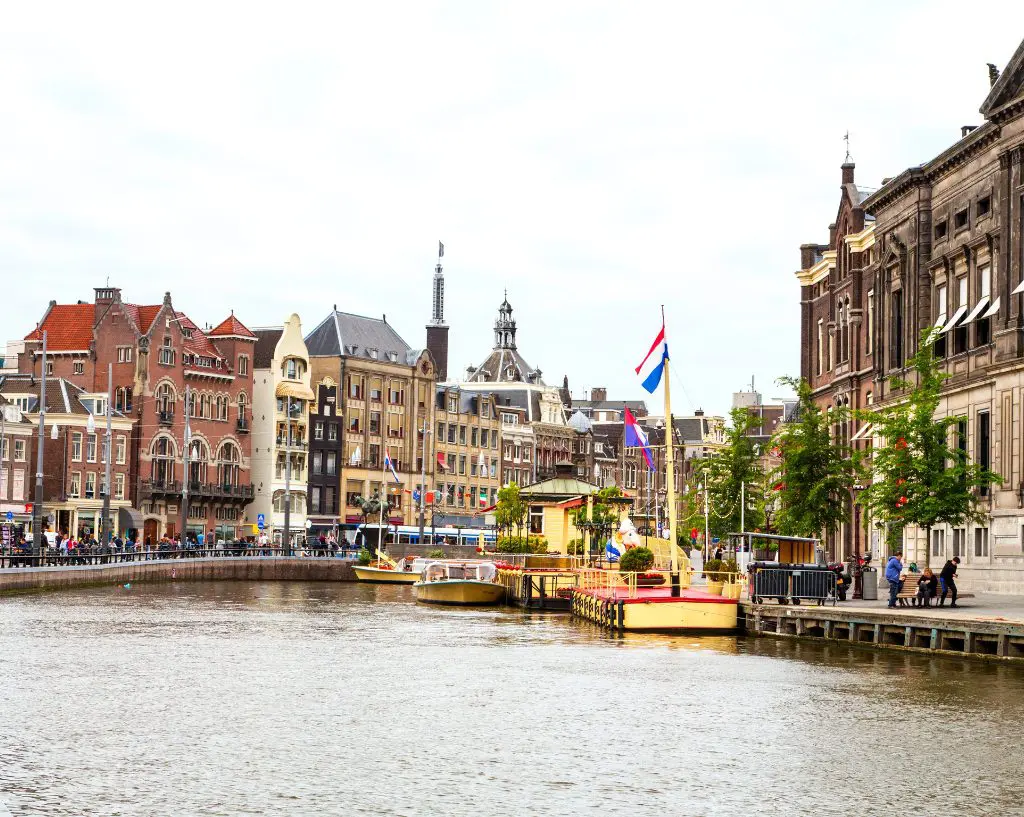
[(300, 391), (129, 518)]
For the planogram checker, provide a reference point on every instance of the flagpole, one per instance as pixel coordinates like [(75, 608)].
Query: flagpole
[(670, 468), (383, 466)]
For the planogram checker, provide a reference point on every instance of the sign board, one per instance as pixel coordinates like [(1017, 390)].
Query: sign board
[(309, 524), (715, 540), (10, 516), (261, 521), (51, 518), (255, 530), (28, 507)]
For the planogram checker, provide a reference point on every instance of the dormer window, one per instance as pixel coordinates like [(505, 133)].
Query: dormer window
[(372, 353), (393, 357)]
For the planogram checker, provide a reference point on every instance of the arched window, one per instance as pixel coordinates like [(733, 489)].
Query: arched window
[(222, 407), (229, 461), (847, 331), (162, 455), (166, 397), (241, 407), (198, 461)]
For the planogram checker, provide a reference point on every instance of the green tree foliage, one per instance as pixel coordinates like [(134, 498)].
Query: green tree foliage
[(510, 512), (599, 521), (736, 464), (816, 473), (920, 477)]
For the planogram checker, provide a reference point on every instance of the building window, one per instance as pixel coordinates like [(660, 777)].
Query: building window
[(49, 367), (938, 543), (90, 448), (75, 486), (984, 207), (982, 328), (79, 367), (484, 436), (960, 220), (332, 432), (124, 354), (318, 430), (19, 450), (959, 536), (941, 313), (981, 542), (118, 486), (821, 346), (462, 435), (984, 450), (375, 422), (536, 519), (314, 499), (474, 436), (355, 387), (452, 428), (462, 464), (166, 356), (940, 230), (121, 449), (870, 345), (897, 330), (90, 485), (76, 446), (960, 332)]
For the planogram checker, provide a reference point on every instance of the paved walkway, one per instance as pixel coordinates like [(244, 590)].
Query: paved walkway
[(983, 607)]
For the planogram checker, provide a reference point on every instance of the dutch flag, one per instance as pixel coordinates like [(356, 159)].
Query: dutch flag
[(651, 368), (390, 466), (635, 438)]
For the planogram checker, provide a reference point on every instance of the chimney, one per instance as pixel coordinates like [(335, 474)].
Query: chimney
[(831, 236), (808, 255), (599, 394), (847, 168), (106, 295)]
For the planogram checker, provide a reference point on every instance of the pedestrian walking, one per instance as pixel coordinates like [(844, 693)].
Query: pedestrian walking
[(947, 578), (893, 569)]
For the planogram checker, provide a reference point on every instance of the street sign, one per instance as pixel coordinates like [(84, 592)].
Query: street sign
[(261, 521), (416, 495), (10, 516), (715, 540)]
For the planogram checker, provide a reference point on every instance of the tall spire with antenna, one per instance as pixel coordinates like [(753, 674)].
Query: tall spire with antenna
[(437, 329)]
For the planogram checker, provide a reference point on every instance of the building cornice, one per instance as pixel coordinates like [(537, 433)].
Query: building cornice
[(812, 275), (864, 240)]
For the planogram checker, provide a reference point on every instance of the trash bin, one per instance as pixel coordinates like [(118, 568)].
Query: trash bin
[(869, 584)]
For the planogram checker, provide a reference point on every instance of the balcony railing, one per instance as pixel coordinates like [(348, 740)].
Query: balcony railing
[(242, 425), (197, 490), (299, 445), (165, 418)]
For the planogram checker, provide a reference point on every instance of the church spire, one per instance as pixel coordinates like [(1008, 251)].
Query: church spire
[(437, 317), (505, 326), (437, 329)]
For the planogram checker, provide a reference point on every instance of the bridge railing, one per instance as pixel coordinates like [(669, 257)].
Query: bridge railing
[(13, 557)]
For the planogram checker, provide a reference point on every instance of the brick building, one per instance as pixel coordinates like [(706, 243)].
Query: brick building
[(157, 353), (940, 244)]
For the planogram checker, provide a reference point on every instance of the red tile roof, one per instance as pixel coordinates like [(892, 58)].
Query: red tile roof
[(68, 328), (143, 316), (199, 343), (231, 326)]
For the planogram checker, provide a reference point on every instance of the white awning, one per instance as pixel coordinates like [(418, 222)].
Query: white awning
[(976, 311), (863, 432), (940, 320), (955, 319), (992, 309), (1019, 289)]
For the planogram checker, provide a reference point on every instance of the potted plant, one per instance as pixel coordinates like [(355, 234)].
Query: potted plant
[(649, 579), (731, 578), (636, 560), (714, 574)]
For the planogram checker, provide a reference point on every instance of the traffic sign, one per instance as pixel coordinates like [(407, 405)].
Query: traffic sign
[(10, 516), (715, 540), (261, 521)]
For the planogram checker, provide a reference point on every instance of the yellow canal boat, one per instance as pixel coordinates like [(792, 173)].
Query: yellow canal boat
[(404, 571), (459, 583)]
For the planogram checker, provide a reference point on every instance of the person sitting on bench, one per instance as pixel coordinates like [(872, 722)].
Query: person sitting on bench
[(927, 588)]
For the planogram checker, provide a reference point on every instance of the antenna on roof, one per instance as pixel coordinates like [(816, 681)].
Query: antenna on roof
[(846, 138)]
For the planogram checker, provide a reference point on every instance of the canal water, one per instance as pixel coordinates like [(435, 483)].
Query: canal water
[(338, 699)]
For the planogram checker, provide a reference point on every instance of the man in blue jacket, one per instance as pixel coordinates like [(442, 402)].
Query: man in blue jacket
[(892, 575)]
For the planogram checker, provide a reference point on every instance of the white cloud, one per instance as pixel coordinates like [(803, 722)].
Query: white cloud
[(596, 159)]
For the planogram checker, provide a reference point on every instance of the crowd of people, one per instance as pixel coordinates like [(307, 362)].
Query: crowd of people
[(62, 548)]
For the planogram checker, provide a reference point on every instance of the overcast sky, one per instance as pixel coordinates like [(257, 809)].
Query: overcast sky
[(597, 159)]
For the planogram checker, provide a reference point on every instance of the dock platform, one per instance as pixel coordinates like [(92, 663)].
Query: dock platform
[(538, 588)]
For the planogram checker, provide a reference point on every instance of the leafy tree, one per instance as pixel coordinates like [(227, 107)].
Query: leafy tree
[(600, 520), (738, 463), (815, 475), (510, 511), (918, 477)]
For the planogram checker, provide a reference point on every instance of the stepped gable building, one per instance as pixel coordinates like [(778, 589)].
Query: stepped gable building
[(944, 250), (156, 353), (838, 308), (282, 398), (373, 394)]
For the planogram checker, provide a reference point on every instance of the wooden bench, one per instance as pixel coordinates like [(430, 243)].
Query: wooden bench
[(908, 593)]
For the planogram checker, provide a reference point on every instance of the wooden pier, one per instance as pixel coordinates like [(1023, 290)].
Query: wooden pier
[(926, 630)]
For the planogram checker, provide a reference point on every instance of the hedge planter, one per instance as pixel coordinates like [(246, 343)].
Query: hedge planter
[(715, 588)]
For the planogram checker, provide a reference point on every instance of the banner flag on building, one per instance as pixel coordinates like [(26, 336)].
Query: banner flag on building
[(390, 466), (635, 438), (650, 370)]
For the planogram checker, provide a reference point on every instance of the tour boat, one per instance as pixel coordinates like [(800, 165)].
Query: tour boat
[(404, 571), (459, 583)]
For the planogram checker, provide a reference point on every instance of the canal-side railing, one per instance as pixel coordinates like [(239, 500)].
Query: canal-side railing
[(53, 558)]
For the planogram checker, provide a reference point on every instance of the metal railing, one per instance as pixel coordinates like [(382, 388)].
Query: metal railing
[(793, 584), (12, 558)]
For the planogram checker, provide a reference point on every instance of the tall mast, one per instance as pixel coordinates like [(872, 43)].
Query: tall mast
[(670, 464)]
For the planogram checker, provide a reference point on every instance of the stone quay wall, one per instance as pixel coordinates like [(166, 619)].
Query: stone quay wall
[(253, 569)]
